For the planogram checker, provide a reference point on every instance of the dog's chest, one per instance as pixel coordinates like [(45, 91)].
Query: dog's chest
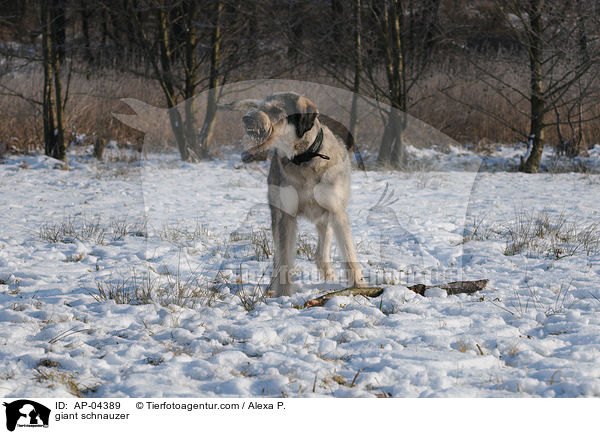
[(305, 182), (307, 204)]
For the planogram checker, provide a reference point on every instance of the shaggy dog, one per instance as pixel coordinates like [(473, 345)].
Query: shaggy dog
[(309, 177)]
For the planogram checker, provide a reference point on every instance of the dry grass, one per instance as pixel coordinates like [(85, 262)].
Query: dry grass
[(71, 228), (92, 100), (250, 298), (477, 230), (462, 346), (91, 229), (249, 294), (554, 236), (532, 300), (306, 246), (558, 164), (185, 289), (123, 227), (262, 242), (550, 234), (251, 244), (181, 235), (436, 102), (50, 373), (450, 93)]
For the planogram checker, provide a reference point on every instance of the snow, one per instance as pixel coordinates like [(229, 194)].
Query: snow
[(534, 331)]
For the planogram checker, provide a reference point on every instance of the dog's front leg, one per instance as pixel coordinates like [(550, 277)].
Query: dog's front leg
[(284, 228), (323, 250), (341, 228)]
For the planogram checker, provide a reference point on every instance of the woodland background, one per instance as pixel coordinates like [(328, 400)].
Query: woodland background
[(481, 71)]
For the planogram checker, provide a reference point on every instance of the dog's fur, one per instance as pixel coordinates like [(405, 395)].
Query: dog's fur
[(318, 189)]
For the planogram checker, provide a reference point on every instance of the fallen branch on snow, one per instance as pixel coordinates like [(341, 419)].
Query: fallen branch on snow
[(452, 288)]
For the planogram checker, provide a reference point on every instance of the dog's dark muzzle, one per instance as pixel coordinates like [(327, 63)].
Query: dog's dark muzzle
[(247, 156), (258, 129), (255, 128), (250, 122)]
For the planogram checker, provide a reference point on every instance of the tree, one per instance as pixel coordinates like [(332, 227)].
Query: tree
[(358, 66), (187, 48), (562, 85), (549, 30), (166, 33), (23, 25), (206, 133), (405, 34), (53, 54), (389, 19), (384, 58)]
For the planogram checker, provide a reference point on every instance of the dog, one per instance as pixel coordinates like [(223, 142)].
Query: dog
[(309, 177)]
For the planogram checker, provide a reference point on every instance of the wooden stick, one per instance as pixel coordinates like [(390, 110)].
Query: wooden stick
[(452, 288), (365, 291)]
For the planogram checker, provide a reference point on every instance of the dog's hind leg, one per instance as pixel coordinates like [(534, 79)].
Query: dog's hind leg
[(284, 228), (341, 228), (323, 250)]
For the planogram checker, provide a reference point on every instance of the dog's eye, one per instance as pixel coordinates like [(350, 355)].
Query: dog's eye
[(275, 112)]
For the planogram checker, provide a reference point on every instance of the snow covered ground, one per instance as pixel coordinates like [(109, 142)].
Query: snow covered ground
[(138, 280)]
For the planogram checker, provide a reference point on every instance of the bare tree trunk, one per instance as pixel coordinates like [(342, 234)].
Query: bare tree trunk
[(211, 104), (387, 143), (578, 139), (357, 68), (59, 28), (189, 9), (399, 156), (85, 30), (582, 39), (50, 145), (59, 132), (54, 145), (176, 66), (537, 97), (132, 53), (166, 81), (393, 148)]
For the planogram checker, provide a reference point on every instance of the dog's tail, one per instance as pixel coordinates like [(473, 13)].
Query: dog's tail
[(342, 132)]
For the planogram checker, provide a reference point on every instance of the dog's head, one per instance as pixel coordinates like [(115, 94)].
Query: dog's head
[(277, 121)]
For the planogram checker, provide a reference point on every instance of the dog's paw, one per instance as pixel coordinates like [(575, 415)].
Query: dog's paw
[(327, 273), (355, 279), (282, 290), (360, 284)]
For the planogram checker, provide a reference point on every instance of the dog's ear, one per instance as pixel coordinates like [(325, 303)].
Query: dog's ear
[(304, 118)]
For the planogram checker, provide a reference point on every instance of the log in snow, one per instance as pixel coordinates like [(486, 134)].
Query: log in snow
[(452, 288)]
